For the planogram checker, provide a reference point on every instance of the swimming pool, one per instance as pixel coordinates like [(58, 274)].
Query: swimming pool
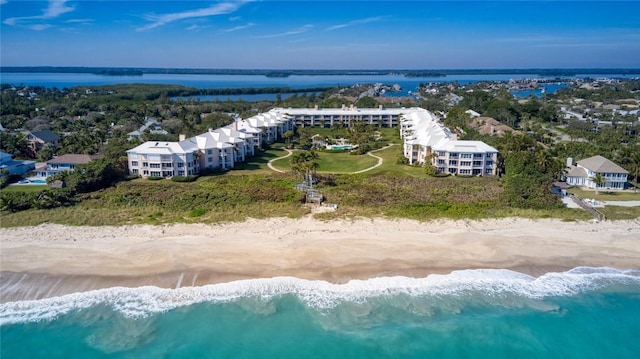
[(38, 181)]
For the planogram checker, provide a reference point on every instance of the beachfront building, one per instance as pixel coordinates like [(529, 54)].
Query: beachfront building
[(216, 149), (215, 152), (427, 141), (63, 163), (584, 172), (164, 159), (345, 116)]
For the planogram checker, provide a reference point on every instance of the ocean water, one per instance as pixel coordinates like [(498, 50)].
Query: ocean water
[(582, 313)]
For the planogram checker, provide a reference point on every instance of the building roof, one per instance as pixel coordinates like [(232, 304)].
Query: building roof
[(464, 146), (72, 158), (576, 172), (46, 135), (346, 111), (4, 156), (165, 148), (600, 164)]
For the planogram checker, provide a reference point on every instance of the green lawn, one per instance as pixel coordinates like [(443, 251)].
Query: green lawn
[(604, 195), (334, 162), (258, 163), (390, 164)]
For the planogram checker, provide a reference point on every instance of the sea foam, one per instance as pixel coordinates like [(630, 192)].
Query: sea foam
[(492, 284)]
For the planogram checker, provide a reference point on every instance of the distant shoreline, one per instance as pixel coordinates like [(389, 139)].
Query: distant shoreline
[(140, 71)]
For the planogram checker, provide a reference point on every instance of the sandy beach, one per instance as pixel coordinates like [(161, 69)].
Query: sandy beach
[(51, 260)]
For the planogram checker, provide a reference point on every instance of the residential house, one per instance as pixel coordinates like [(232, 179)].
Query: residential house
[(9, 166), (62, 163), (584, 172), (36, 140), (151, 126), (472, 113)]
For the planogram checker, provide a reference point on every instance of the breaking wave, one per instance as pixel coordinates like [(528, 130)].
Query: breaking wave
[(455, 290)]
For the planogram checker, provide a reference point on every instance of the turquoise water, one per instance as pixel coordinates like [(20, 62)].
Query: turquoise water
[(548, 89), (583, 313)]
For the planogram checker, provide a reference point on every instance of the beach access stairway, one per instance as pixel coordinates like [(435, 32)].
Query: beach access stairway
[(312, 195), (594, 212)]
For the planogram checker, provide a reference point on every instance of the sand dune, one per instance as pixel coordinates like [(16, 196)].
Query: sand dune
[(50, 260)]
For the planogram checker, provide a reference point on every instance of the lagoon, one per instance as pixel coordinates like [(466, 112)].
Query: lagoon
[(204, 81)]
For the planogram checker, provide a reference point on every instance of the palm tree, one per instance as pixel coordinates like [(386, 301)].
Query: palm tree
[(288, 136), (635, 159), (304, 163), (599, 180)]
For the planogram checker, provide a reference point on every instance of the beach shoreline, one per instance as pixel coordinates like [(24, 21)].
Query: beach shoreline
[(51, 260)]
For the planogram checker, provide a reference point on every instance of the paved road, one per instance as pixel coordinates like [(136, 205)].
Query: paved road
[(622, 203)]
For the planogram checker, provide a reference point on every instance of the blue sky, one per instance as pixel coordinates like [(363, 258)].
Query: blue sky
[(321, 34)]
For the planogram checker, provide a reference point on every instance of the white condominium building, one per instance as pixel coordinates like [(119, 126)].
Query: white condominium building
[(215, 149), (426, 140), (272, 125), (164, 159), (346, 116)]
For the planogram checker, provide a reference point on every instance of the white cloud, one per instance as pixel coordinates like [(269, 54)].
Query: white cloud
[(355, 22), (55, 9), (217, 9), (241, 27), (39, 27), (79, 21), (295, 31)]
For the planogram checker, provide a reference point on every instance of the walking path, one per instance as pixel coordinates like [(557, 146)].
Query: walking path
[(289, 153), (380, 160)]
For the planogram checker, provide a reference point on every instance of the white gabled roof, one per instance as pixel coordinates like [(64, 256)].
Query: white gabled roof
[(464, 146), (165, 148), (347, 111), (425, 130), (232, 132), (210, 140)]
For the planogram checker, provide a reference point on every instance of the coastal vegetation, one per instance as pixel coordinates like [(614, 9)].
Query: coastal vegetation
[(225, 197)]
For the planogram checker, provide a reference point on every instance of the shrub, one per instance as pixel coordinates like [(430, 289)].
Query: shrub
[(154, 178), (184, 179), (197, 212)]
